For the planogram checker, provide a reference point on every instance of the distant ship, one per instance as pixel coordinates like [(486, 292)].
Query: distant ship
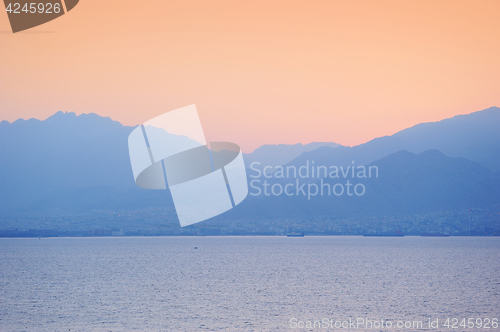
[(435, 234), (293, 234)]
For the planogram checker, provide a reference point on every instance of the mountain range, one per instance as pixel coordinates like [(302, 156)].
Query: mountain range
[(474, 136), (70, 163), (406, 184), (281, 154)]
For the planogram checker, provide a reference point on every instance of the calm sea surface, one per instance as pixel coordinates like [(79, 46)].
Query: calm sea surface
[(244, 283)]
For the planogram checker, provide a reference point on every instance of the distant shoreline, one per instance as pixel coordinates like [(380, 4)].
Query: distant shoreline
[(249, 235)]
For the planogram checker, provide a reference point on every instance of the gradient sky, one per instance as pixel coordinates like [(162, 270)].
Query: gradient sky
[(259, 72)]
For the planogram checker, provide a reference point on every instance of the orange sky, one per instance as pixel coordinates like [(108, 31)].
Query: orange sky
[(259, 71)]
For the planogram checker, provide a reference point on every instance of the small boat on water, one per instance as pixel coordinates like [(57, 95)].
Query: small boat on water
[(293, 234)]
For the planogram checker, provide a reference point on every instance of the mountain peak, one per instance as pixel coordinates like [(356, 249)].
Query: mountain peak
[(86, 125), (281, 154), (61, 114), (432, 153)]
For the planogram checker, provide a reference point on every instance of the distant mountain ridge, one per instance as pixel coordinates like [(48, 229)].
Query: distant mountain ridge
[(474, 136), (62, 152), (76, 163), (276, 155), (86, 126), (408, 183)]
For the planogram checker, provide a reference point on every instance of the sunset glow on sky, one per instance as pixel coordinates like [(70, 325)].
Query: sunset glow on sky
[(259, 72)]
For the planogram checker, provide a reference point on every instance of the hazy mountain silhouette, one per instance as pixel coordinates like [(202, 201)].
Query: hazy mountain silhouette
[(281, 154), (407, 184), (75, 163), (60, 153), (474, 136)]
